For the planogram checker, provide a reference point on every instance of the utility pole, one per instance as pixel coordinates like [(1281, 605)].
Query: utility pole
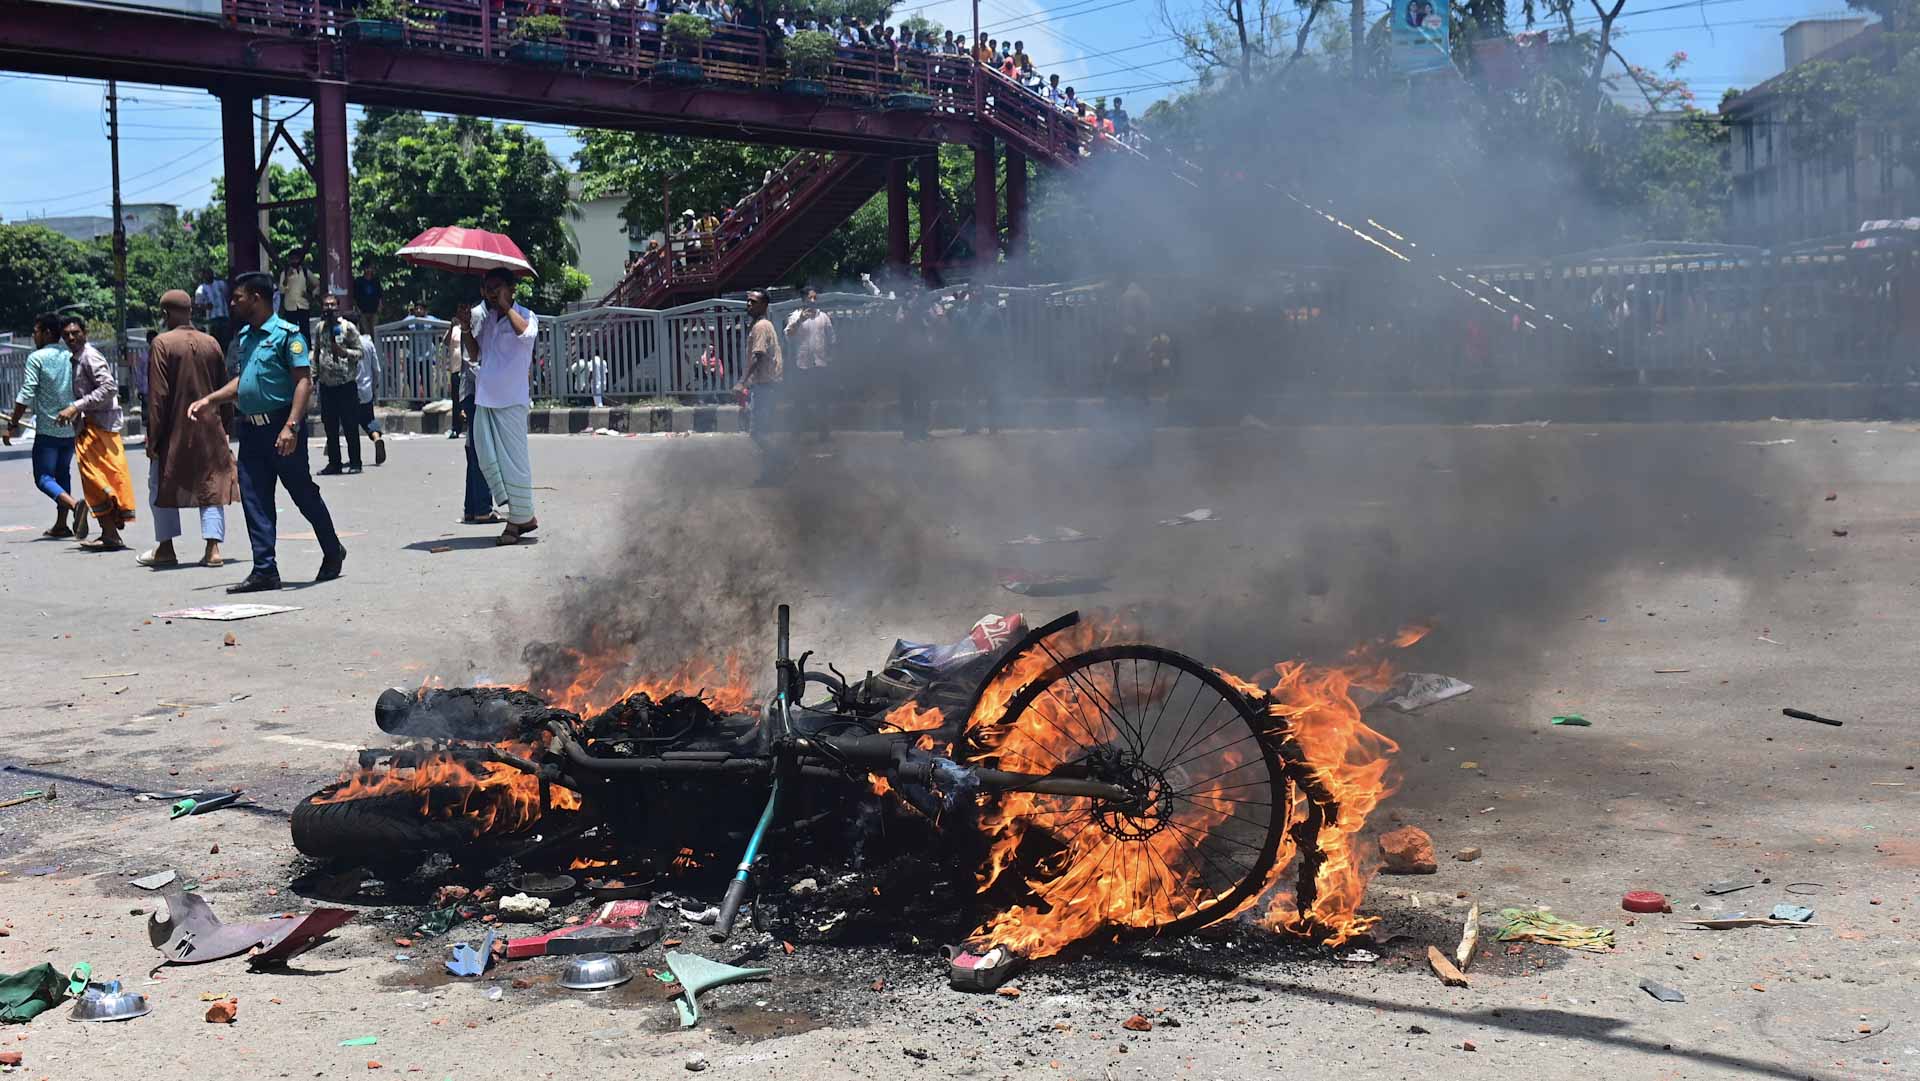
[(119, 226), (1357, 29), (263, 187)]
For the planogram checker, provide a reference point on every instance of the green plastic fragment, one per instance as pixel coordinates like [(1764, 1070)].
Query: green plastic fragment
[(1572, 720), (78, 978), (360, 1041)]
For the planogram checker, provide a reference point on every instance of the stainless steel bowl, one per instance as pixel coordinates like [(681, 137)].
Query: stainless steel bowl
[(594, 972), (99, 1005)]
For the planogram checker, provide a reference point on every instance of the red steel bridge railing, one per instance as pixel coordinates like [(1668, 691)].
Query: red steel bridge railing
[(620, 41)]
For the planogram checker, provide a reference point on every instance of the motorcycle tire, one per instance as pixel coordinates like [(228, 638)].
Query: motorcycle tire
[(383, 826)]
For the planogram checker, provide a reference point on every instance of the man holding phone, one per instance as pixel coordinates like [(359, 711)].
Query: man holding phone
[(337, 348)]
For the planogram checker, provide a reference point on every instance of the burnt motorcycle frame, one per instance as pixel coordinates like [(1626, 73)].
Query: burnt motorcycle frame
[(786, 757)]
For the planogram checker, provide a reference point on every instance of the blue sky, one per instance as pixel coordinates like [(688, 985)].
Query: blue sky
[(170, 149)]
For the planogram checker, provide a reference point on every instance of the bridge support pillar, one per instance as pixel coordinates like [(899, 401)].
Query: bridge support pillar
[(897, 254), (1016, 208), (335, 264), (236, 153), (986, 206), (930, 204)]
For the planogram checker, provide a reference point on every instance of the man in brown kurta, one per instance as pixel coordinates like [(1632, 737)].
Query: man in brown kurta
[(189, 462)]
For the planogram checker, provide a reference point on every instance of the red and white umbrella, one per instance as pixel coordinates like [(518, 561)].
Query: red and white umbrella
[(465, 251)]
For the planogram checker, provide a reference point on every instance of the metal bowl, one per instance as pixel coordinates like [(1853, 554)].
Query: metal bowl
[(594, 972), (99, 1005)]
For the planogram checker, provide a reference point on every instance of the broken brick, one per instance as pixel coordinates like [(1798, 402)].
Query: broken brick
[(1408, 851)]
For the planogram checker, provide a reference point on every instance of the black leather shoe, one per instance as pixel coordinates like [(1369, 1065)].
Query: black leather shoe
[(379, 452), (330, 566), (353, 469), (331, 471), (257, 582)]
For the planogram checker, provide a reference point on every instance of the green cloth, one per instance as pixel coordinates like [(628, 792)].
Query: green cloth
[(26, 995), (441, 920), (1539, 925)]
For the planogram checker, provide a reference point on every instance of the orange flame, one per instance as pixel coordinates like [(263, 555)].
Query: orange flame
[(1314, 707), (494, 795), (601, 679), (1099, 883), (909, 717)]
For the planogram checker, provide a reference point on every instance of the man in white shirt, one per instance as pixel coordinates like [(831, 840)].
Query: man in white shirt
[(810, 336), (503, 336), (210, 303)]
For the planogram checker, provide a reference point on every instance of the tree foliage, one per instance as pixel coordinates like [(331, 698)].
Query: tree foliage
[(707, 176), (1826, 104), (287, 228), (411, 173), (42, 271)]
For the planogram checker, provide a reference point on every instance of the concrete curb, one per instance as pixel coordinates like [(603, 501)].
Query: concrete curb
[(1582, 405)]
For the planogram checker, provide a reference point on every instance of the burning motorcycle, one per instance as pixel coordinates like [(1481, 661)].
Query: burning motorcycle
[(1122, 787)]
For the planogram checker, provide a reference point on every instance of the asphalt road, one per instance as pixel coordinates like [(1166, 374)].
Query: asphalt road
[(1677, 586)]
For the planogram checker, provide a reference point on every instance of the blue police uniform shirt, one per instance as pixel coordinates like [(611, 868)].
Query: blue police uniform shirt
[(267, 356)]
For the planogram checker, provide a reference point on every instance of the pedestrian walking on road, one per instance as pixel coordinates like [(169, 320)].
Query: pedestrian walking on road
[(810, 332), (366, 380), (760, 386), (272, 392), (503, 340), (337, 348), (188, 461), (95, 414), (46, 387)]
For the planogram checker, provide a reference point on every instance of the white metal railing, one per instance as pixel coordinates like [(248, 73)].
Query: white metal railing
[(698, 351), (13, 365)]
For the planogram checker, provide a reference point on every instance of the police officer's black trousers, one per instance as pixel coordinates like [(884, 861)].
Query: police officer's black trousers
[(260, 467)]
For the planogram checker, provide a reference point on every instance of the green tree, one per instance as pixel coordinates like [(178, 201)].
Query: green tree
[(411, 173), (1828, 103), (42, 271), (709, 176), (167, 256), (287, 228)]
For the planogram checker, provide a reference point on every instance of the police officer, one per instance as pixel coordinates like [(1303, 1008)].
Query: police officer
[(272, 391)]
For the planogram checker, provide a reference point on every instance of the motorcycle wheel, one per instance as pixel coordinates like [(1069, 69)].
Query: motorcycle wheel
[(381, 826), (1202, 841)]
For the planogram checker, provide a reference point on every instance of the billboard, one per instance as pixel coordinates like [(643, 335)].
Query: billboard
[(1420, 37)]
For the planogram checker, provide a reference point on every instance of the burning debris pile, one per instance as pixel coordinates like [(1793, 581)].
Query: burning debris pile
[(1094, 789)]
